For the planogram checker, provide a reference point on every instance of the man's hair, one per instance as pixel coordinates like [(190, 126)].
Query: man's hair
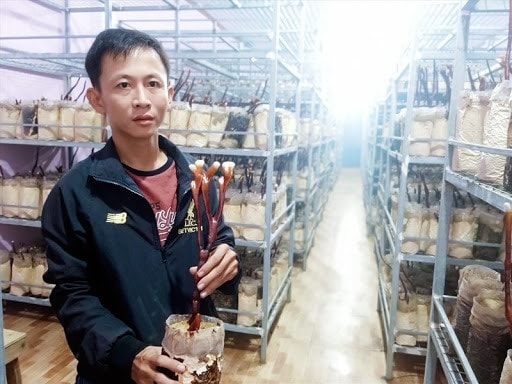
[(118, 41)]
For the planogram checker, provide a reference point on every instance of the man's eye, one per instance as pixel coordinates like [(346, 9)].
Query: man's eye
[(123, 84), (153, 83)]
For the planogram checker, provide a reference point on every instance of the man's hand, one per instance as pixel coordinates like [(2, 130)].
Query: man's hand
[(222, 266), (146, 363)]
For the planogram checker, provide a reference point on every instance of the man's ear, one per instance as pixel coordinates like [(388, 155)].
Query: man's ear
[(170, 93), (94, 98)]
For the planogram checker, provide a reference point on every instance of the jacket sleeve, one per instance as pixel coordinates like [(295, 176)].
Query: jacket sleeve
[(99, 340), (225, 236)]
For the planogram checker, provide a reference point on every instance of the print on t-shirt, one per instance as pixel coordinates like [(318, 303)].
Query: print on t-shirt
[(164, 220)]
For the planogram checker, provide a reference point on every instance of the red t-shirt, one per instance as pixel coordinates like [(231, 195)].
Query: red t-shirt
[(159, 189)]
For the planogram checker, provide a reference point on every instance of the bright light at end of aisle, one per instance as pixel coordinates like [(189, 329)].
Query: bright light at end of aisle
[(361, 43)]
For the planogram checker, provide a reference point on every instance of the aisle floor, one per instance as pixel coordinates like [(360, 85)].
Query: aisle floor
[(329, 332)]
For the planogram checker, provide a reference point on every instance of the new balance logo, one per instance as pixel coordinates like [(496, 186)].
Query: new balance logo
[(116, 218)]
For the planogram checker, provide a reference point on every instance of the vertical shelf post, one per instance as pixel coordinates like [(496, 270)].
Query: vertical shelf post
[(447, 190)]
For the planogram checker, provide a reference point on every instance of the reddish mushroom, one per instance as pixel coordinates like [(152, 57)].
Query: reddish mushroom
[(201, 183)]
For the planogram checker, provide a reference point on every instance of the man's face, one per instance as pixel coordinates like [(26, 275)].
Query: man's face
[(133, 93)]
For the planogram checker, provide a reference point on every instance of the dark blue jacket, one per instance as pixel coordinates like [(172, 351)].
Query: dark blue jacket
[(115, 283)]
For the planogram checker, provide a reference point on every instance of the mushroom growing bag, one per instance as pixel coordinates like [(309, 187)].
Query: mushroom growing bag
[(66, 130), (439, 131), (463, 227), (198, 124), (40, 287), (495, 133), (248, 300), (433, 224), (200, 351), (179, 117), (233, 210), (489, 336), (10, 196), (10, 117), (88, 124), (48, 120), (253, 213), (5, 268), (29, 198), (289, 127), (22, 271), (421, 128), (217, 126), (406, 319), (471, 116), (238, 122), (506, 373), (413, 218), (472, 280)]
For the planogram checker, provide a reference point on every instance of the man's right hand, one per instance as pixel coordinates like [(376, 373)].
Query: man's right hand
[(146, 363)]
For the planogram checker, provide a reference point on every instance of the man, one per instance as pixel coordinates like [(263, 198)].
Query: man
[(121, 249)]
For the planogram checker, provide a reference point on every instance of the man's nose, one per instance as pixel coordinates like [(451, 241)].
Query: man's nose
[(140, 98)]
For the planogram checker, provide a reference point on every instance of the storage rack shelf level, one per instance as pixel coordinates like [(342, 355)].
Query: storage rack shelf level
[(443, 343), (386, 311), (456, 366), (26, 299)]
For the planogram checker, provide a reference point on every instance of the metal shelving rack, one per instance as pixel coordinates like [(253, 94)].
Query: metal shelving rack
[(370, 167), (443, 344), (276, 43), (308, 200), (437, 32), (320, 154), (316, 194), (390, 235)]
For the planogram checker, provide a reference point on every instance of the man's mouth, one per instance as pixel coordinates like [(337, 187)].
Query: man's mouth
[(143, 118)]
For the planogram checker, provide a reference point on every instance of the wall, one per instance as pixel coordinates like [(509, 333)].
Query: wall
[(352, 140)]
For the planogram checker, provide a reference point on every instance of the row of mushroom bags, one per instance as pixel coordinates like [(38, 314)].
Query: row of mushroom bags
[(186, 124), (483, 117), (22, 269), (475, 228)]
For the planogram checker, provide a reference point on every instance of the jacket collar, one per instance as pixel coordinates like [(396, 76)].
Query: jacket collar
[(107, 166)]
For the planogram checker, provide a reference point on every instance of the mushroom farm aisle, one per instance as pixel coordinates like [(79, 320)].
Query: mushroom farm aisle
[(329, 333)]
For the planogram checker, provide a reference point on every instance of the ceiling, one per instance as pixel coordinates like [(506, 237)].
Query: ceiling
[(229, 42)]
